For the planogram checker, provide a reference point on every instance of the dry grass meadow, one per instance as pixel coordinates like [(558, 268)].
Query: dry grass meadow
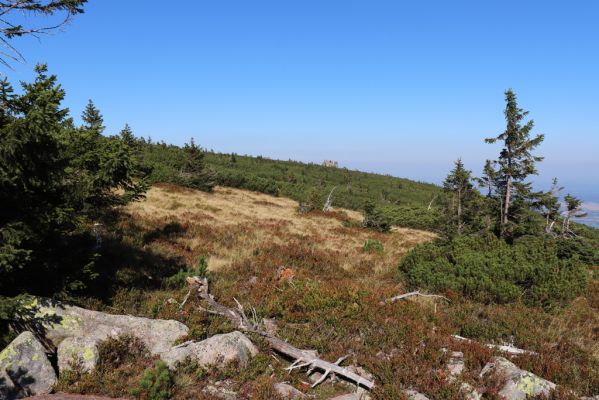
[(228, 224)]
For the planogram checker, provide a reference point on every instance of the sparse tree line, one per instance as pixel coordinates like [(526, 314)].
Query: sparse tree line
[(508, 205), (503, 241)]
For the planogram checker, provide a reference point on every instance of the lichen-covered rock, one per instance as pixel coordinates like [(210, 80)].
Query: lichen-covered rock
[(25, 368), (286, 391), (469, 393), (517, 384), (76, 331), (79, 351), (217, 350), (65, 396)]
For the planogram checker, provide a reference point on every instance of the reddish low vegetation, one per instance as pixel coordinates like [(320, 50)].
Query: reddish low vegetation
[(310, 274)]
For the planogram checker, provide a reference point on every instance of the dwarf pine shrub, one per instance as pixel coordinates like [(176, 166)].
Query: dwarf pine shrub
[(488, 269), (156, 383), (200, 269)]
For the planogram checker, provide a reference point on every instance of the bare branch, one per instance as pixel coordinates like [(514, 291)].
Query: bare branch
[(303, 358), (505, 348), (416, 293)]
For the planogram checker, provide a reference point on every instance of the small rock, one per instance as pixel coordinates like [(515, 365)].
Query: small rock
[(517, 383), (216, 350), (351, 396), (469, 392), (220, 390), (456, 365), (414, 395), (25, 368), (287, 391)]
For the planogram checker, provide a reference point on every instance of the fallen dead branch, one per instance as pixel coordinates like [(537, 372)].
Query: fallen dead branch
[(303, 358), (416, 293), (505, 348)]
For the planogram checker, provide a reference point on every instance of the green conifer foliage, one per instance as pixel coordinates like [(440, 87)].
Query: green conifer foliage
[(516, 162)]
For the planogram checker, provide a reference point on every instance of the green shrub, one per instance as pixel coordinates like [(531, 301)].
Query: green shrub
[(373, 246), (488, 269), (375, 219), (178, 280), (156, 383)]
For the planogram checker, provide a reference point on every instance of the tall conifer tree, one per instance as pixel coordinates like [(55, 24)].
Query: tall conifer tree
[(516, 161)]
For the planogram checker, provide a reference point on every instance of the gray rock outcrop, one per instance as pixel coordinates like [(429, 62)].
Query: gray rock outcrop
[(286, 391), (217, 350), (76, 331), (25, 368), (517, 384)]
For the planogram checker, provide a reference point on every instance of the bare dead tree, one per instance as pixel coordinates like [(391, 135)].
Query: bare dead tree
[(14, 15), (329, 203), (303, 358), (430, 205)]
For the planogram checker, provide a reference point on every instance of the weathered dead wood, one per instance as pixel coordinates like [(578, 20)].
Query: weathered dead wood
[(505, 348), (303, 358), (329, 202), (415, 293)]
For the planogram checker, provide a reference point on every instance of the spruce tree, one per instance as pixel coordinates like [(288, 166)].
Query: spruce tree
[(194, 172), (194, 158), (516, 161), (33, 183), (458, 184), (573, 210), (550, 206), (92, 118), (126, 135), (489, 178)]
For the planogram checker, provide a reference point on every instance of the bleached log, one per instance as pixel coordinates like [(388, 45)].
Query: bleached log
[(430, 205), (303, 358), (504, 348), (329, 203), (415, 293)]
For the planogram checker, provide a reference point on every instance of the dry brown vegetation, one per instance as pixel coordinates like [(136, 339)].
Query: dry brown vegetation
[(311, 274), (229, 224)]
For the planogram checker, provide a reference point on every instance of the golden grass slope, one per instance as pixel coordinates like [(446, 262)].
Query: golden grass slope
[(228, 224)]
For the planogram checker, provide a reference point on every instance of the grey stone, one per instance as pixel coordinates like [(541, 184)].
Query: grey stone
[(455, 365), (414, 395), (517, 384), (220, 390), (25, 368), (469, 392), (287, 391), (351, 396), (83, 329), (217, 350)]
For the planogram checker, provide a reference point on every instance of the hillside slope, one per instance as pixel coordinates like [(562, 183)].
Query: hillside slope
[(321, 288), (405, 201)]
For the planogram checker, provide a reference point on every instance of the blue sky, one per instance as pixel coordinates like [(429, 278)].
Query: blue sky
[(396, 87)]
